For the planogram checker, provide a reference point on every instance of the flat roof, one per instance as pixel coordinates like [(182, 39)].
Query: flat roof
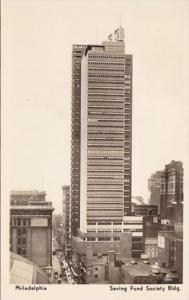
[(27, 192), (139, 269), (170, 234)]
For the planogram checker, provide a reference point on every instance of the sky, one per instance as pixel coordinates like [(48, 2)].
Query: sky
[(37, 38)]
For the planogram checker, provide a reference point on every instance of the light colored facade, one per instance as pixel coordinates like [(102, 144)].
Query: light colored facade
[(151, 248), (111, 231), (106, 131), (31, 226)]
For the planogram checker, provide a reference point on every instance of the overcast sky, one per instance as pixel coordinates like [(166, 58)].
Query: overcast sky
[(36, 96)]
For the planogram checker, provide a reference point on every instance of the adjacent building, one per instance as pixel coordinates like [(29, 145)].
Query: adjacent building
[(171, 194), (170, 252), (31, 226), (111, 235)]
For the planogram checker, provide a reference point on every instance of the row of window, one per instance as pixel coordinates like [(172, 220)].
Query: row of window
[(100, 56), (100, 62), (25, 222), (20, 222), (108, 82), (120, 147), (105, 139), (105, 75), (108, 88)]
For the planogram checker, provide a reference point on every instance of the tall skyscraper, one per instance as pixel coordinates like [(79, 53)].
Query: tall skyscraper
[(101, 132)]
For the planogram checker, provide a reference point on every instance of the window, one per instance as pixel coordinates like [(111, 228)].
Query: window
[(96, 276), (24, 251)]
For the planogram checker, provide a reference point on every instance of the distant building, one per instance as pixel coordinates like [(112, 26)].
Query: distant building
[(66, 204), (171, 202), (154, 186), (170, 252), (57, 228), (31, 226), (145, 210), (138, 200), (56, 223)]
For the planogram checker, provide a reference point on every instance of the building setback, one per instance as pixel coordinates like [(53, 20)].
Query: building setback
[(31, 226), (101, 132)]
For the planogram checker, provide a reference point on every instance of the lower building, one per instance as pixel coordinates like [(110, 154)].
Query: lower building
[(152, 225), (91, 255), (170, 252), (139, 273), (151, 248), (145, 210), (31, 227), (110, 231)]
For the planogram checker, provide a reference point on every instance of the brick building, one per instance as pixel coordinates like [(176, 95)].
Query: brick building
[(171, 194), (170, 252)]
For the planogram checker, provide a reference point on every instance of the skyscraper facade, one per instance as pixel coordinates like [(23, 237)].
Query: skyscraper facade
[(77, 52), (101, 132), (66, 218)]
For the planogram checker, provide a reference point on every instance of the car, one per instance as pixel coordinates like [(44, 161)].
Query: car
[(146, 262)]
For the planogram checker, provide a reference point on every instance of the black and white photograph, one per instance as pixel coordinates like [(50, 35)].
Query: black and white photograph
[(95, 147)]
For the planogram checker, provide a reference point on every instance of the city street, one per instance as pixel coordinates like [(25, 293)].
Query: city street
[(58, 274)]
